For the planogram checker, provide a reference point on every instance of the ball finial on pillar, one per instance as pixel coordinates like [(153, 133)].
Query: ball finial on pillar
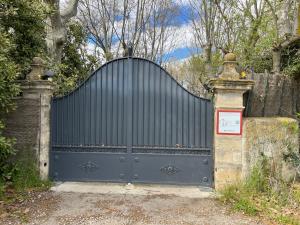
[(230, 57), (37, 69), (229, 71)]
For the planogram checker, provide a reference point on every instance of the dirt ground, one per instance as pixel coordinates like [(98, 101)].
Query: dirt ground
[(52, 208)]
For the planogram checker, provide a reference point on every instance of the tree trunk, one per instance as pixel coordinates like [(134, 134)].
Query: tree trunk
[(56, 27), (284, 22), (297, 21), (55, 39), (207, 59), (276, 56)]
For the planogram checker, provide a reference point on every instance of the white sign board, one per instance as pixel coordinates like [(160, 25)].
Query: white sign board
[(229, 122)]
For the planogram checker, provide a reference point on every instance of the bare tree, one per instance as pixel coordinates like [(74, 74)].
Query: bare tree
[(205, 24), (158, 35), (285, 16), (56, 29), (253, 12), (114, 24), (225, 24), (231, 27), (99, 19)]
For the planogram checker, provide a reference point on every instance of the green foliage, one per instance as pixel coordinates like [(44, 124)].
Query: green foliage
[(22, 36), (76, 63), (197, 66), (27, 177), (8, 89), (264, 194), (258, 53), (24, 22), (293, 158), (6, 151), (8, 72), (292, 65), (282, 219), (245, 205), (258, 179)]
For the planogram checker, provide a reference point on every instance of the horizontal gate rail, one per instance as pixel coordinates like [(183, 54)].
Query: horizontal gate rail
[(87, 146)]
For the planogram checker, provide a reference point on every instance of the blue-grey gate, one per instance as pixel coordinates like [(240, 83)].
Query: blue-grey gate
[(130, 121)]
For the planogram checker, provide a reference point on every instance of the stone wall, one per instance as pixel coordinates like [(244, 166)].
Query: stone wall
[(29, 124), (23, 125), (273, 95), (272, 137)]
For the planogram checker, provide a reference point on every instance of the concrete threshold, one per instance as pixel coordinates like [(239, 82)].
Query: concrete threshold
[(134, 189)]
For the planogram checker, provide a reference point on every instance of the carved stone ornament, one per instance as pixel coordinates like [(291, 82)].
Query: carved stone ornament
[(169, 170), (89, 166), (37, 69), (229, 70)]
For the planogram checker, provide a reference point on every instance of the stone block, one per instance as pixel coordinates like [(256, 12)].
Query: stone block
[(226, 175), (271, 137)]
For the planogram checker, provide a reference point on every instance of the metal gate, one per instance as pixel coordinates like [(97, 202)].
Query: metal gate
[(130, 121)]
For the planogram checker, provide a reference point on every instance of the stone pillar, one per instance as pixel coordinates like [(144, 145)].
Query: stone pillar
[(228, 92), (29, 124), (40, 91)]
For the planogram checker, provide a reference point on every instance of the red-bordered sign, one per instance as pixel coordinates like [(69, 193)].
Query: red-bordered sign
[(229, 122)]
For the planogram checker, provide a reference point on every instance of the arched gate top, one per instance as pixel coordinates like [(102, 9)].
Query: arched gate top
[(134, 59)]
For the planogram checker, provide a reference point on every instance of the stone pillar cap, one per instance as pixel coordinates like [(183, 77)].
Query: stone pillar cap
[(222, 84), (37, 69)]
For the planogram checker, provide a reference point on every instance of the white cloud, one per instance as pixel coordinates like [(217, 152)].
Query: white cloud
[(184, 36), (182, 2)]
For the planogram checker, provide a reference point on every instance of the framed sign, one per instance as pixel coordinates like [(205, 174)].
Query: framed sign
[(229, 122)]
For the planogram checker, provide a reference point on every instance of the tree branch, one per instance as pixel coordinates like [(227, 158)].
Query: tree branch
[(70, 10), (286, 43)]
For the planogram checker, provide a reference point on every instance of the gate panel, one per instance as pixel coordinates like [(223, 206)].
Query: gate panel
[(89, 127), (132, 122), (90, 166), (174, 124), (172, 169)]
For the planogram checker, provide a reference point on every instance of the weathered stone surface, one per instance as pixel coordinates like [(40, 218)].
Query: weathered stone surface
[(227, 174), (22, 124), (229, 68), (274, 95), (257, 95), (228, 94), (29, 124), (286, 104), (37, 69), (272, 137)]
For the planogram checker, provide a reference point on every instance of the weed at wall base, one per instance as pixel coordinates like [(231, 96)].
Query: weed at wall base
[(26, 177), (266, 195)]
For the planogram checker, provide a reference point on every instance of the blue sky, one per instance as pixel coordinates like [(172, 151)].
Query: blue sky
[(183, 47), (182, 52)]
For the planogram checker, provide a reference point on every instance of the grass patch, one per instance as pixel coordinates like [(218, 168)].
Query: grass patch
[(282, 219), (263, 195), (245, 205), (25, 178)]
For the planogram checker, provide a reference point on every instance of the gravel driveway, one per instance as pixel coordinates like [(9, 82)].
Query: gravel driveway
[(53, 208)]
